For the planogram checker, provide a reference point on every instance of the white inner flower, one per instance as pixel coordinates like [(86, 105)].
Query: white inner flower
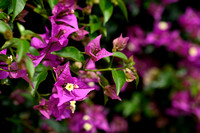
[(91, 84), (11, 58), (163, 25), (69, 86), (72, 106), (87, 126), (193, 51), (131, 47), (86, 117)]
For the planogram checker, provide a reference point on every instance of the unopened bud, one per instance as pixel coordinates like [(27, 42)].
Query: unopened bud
[(130, 76), (8, 35), (120, 43), (77, 64)]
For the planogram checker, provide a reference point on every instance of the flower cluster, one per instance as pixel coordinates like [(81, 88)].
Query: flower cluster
[(74, 72)]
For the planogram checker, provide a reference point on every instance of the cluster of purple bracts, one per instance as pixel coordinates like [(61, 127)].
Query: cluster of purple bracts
[(67, 90), (183, 102)]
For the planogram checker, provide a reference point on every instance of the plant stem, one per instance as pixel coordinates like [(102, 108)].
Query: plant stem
[(82, 52), (110, 65), (13, 55), (53, 75), (86, 62), (99, 81), (106, 69)]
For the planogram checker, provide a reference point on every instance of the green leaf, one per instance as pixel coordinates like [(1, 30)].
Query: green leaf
[(18, 6), (4, 4), (123, 8), (21, 28), (38, 3), (9, 43), (131, 106), (119, 78), (120, 55), (34, 51), (104, 30), (3, 15), (4, 27), (94, 22), (52, 3), (137, 79), (22, 48), (39, 76), (27, 34), (30, 67), (106, 8), (107, 59), (69, 52)]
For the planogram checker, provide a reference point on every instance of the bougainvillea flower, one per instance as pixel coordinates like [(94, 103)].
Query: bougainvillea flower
[(79, 34), (161, 26), (194, 54), (156, 11), (191, 17), (50, 108), (89, 119), (81, 123), (59, 112), (182, 103), (37, 43), (118, 125), (89, 77), (16, 72), (69, 88), (3, 74), (71, 4), (61, 32), (136, 40), (44, 108), (17, 97), (64, 14), (120, 43), (94, 50)]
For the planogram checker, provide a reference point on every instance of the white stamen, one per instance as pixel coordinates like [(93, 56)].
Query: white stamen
[(86, 117)]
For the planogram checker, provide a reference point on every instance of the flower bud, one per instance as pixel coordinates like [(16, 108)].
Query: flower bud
[(119, 43), (130, 76), (77, 64), (8, 35)]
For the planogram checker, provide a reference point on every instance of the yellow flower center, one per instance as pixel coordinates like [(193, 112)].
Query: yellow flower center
[(87, 126), (193, 51), (86, 117), (69, 87), (163, 25)]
